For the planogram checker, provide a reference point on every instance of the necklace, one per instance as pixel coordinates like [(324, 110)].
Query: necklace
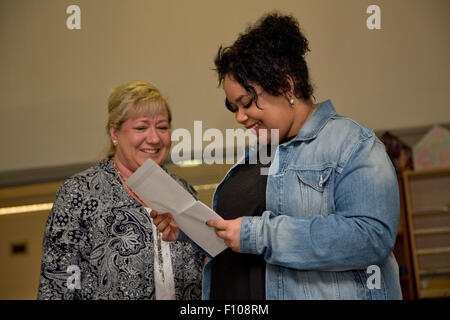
[(122, 179), (114, 165)]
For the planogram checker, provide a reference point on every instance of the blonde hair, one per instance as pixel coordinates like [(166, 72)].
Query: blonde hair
[(139, 97)]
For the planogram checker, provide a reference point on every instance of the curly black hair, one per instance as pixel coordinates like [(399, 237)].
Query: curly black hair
[(266, 54)]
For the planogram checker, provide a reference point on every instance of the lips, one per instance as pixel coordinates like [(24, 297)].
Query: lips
[(150, 151), (254, 126)]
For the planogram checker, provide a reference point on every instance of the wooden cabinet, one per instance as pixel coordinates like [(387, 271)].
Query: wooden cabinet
[(402, 249), (427, 199)]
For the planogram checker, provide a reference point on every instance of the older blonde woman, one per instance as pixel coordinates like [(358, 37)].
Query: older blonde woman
[(100, 242)]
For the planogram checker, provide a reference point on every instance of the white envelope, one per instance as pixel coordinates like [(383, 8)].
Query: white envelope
[(157, 189)]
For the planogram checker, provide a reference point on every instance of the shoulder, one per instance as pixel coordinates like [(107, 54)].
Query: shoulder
[(347, 128), (342, 136), (88, 179), (102, 167)]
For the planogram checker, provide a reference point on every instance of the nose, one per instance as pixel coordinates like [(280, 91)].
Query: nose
[(153, 136), (241, 116)]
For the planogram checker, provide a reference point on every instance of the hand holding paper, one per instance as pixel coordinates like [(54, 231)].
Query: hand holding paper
[(164, 222), (228, 230), (158, 190)]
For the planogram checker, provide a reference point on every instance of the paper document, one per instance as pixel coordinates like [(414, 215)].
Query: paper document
[(158, 190)]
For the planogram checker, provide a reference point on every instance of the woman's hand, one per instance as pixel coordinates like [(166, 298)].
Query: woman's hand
[(164, 222), (228, 230)]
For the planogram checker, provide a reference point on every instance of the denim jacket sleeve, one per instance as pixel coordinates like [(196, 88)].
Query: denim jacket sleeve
[(360, 232)]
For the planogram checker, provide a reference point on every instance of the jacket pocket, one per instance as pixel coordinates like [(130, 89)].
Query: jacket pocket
[(308, 192), (316, 179)]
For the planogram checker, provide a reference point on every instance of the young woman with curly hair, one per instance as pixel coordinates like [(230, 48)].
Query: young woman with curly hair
[(329, 207)]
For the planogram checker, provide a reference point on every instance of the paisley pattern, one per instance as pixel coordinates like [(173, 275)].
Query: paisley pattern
[(97, 226)]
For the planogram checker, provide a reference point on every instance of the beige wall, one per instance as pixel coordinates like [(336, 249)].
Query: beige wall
[(54, 82)]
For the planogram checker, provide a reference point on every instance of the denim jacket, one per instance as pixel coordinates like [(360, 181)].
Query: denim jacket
[(332, 210)]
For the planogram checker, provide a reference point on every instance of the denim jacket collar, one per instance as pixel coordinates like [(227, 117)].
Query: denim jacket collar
[(317, 121)]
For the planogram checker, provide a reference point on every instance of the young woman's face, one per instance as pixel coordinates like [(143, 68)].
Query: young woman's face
[(141, 138), (274, 112)]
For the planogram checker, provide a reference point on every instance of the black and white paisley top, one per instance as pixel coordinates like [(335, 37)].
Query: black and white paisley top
[(96, 226)]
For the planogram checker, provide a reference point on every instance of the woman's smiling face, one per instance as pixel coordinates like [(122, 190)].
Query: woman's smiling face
[(142, 137), (274, 112)]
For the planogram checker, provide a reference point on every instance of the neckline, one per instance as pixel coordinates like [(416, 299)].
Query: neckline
[(129, 191)]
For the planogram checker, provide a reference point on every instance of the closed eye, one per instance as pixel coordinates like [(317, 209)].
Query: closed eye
[(248, 104), (234, 108)]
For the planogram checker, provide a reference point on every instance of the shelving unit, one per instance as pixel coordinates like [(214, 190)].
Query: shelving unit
[(427, 195), (402, 249)]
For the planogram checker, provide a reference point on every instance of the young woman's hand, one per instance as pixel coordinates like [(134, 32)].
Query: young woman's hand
[(228, 230)]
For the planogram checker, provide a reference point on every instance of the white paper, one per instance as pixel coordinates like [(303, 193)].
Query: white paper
[(158, 190)]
